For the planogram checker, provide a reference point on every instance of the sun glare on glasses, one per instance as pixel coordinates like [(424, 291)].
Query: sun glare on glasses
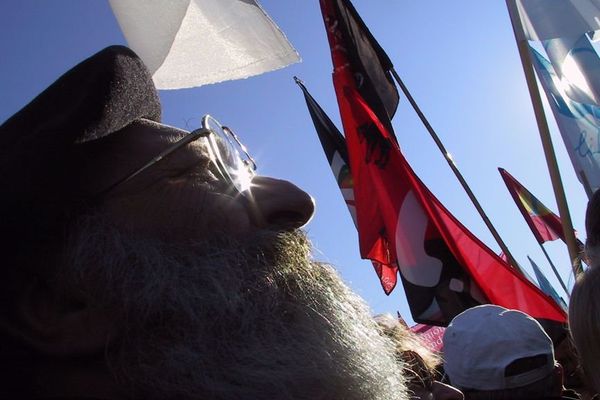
[(226, 152)]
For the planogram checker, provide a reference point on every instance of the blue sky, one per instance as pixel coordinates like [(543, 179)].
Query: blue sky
[(459, 59)]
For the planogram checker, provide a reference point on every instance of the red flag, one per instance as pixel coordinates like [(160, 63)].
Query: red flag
[(370, 64), (545, 225), (334, 146), (444, 268)]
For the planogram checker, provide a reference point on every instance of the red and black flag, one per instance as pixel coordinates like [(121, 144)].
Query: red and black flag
[(334, 146), (444, 268), (371, 66)]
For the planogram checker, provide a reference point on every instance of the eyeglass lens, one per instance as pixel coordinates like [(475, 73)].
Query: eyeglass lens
[(229, 152)]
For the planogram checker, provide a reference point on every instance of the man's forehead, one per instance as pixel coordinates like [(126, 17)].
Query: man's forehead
[(143, 137), (146, 129), (146, 139), (126, 150)]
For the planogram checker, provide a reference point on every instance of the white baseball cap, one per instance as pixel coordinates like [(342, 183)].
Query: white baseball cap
[(482, 341)]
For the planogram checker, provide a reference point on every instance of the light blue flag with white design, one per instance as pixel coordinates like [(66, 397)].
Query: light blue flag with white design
[(577, 64), (578, 122), (546, 286)]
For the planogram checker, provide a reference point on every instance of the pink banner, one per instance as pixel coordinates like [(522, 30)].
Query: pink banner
[(430, 335)]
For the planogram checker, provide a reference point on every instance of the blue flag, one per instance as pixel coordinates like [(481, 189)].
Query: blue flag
[(545, 285)]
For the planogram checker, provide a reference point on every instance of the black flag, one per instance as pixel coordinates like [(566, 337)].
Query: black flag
[(370, 64)]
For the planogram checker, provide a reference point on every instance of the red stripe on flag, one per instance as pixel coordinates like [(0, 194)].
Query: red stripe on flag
[(500, 283), (445, 269)]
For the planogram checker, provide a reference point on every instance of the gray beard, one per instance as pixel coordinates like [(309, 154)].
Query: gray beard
[(229, 319)]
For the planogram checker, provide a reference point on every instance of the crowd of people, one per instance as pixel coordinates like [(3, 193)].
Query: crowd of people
[(147, 262)]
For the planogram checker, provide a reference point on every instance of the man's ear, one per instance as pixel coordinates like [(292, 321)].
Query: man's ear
[(57, 325)]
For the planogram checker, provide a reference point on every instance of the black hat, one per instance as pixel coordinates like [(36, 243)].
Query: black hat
[(97, 97)]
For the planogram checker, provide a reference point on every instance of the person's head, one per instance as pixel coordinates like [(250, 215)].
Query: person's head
[(419, 363), (494, 353), (566, 355), (181, 280), (584, 322), (584, 306), (592, 229)]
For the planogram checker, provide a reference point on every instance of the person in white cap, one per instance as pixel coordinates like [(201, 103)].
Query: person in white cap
[(492, 353)]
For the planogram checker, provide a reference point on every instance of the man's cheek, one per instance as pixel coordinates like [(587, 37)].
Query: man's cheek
[(195, 213), (216, 213)]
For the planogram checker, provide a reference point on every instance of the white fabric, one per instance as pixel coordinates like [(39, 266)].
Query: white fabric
[(482, 341), (549, 19), (577, 122), (417, 267), (188, 43), (577, 64)]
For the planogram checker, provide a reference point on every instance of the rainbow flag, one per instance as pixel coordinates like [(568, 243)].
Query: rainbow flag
[(545, 225)]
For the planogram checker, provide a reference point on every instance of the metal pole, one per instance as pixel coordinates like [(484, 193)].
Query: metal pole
[(562, 283), (586, 185), (540, 117), (454, 168)]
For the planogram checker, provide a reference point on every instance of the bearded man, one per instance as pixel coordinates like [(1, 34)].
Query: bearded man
[(142, 261)]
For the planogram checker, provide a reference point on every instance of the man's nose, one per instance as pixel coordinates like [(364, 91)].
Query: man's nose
[(279, 204)]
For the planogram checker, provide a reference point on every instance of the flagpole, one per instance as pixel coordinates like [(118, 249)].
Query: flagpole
[(562, 283), (586, 185), (540, 117), (454, 168)]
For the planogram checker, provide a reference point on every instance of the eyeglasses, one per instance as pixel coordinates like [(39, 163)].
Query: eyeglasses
[(226, 152)]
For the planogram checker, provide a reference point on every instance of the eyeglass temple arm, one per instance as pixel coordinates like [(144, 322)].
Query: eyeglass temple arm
[(180, 143)]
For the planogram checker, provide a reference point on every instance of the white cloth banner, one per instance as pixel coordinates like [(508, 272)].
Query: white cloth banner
[(577, 64), (550, 19), (188, 43), (579, 124)]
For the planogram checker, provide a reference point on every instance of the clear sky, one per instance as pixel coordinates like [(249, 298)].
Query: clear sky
[(459, 59)]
